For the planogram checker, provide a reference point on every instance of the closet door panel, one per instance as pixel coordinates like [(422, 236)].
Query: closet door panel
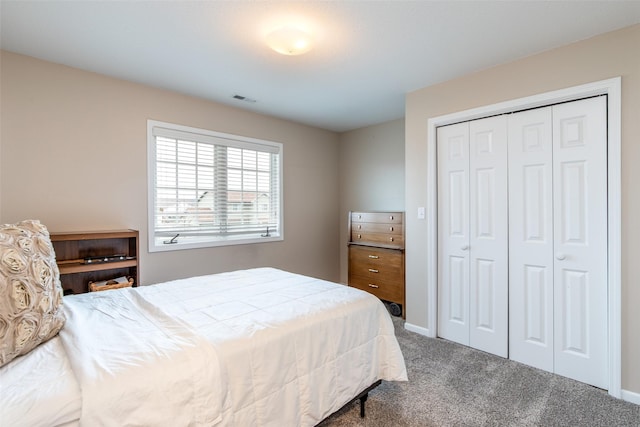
[(456, 297), (580, 240), (531, 238), (453, 232), (488, 235)]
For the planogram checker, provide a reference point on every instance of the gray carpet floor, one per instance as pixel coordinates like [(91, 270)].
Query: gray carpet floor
[(453, 385)]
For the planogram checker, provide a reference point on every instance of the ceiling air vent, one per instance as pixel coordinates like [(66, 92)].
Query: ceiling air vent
[(244, 98)]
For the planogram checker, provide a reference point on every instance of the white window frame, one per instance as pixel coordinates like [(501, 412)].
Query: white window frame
[(207, 136)]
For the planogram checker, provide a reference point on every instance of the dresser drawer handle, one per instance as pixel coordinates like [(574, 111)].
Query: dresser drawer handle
[(374, 256), (391, 217), (373, 270), (371, 285), (391, 239), (390, 228), (359, 226), (359, 236)]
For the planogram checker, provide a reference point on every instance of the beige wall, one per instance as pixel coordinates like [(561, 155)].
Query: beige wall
[(371, 175), (609, 55), (74, 156)]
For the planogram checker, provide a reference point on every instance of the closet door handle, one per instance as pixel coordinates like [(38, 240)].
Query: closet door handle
[(372, 270), (371, 285), (464, 247), (560, 256)]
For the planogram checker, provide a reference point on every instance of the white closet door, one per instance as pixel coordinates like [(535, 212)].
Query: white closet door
[(546, 253), (488, 236), (531, 238), (580, 240), (453, 232)]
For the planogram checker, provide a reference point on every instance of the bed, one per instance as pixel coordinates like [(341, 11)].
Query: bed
[(259, 347)]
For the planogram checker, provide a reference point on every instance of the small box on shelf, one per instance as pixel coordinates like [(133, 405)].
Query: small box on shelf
[(117, 283)]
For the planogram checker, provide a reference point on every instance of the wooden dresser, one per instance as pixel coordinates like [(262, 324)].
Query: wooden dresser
[(376, 255)]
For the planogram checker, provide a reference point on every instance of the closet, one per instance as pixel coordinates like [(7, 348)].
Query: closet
[(522, 237)]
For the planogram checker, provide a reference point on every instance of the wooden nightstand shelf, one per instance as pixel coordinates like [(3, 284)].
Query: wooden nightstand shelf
[(376, 255), (84, 257)]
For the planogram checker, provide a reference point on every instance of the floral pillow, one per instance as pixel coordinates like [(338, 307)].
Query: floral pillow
[(30, 289)]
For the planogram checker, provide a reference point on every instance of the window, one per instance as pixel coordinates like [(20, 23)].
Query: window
[(211, 189)]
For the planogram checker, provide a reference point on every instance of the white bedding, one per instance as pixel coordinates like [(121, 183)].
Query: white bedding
[(138, 366), (259, 347), (39, 389)]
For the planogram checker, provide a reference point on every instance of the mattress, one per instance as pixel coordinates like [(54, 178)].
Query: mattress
[(255, 347)]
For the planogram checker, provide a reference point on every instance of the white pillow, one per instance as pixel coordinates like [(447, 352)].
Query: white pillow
[(30, 289)]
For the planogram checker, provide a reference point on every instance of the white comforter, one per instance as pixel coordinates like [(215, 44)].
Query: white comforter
[(39, 389), (138, 366), (259, 347)]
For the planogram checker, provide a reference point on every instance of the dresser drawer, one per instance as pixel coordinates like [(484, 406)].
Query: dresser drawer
[(372, 227), (370, 261), (387, 290), (378, 238), (377, 217)]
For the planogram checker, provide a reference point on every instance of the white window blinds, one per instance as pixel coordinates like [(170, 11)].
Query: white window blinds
[(211, 189)]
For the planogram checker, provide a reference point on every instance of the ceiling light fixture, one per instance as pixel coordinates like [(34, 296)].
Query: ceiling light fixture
[(289, 40)]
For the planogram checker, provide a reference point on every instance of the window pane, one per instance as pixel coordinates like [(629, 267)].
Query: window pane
[(205, 154), (186, 152), (186, 176), (166, 150), (166, 175), (205, 178), (234, 157), (263, 182), (234, 179), (264, 161), (249, 159), (249, 181)]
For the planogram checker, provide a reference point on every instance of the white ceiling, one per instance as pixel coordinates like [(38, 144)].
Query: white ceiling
[(369, 54)]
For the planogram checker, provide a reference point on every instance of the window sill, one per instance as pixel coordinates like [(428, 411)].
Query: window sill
[(157, 245)]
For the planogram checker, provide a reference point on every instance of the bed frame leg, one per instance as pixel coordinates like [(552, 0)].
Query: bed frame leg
[(364, 395), (363, 400)]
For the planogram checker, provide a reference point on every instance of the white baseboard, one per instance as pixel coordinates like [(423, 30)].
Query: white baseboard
[(417, 329), (631, 396)]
